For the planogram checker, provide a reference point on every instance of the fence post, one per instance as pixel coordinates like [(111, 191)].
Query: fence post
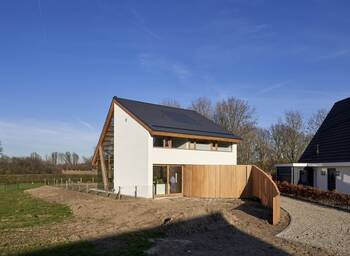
[(119, 192), (135, 191), (81, 180), (93, 180), (153, 191), (66, 184)]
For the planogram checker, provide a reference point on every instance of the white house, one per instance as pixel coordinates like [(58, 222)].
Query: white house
[(145, 147), (325, 163)]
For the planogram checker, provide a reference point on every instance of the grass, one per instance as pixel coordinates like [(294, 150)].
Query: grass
[(18, 209)]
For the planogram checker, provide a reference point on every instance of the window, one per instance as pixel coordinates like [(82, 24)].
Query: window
[(224, 146), (183, 143), (179, 143), (158, 141), (203, 145)]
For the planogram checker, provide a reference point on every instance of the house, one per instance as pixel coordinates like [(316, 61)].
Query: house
[(325, 163), (145, 147)]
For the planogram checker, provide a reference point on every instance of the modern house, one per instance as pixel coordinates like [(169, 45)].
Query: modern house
[(146, 146), (325, 163)]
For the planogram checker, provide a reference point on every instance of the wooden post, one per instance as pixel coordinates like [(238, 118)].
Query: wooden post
[(153, 190), (93, 180), (119, 192), (135, 191), (81, 180), (103, 167), (66, 184)]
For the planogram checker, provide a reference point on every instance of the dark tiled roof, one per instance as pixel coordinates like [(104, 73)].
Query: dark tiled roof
[(177, 120), (331, 143)]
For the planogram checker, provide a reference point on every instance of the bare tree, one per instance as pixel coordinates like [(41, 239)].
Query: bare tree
[(54, 158), (203, 106), (315, 121), (61, 158), (263, 149), (238, 117), (75, 158), (35, 156), (171, 103), (288, 137), (68, 158)]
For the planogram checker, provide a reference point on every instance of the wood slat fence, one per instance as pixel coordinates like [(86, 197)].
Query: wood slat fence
[(232, 181)]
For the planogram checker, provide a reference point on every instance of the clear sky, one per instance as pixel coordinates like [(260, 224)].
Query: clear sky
[(62, 61)]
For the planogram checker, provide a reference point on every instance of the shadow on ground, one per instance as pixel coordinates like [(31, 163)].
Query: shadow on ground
[(251, 207), (206, 235)]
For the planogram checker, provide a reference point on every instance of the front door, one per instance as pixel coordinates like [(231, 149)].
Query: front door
[(331, 173), (175, 179)]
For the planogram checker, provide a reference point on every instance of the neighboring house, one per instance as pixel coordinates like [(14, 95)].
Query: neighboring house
[(325, 163), (145, 144)]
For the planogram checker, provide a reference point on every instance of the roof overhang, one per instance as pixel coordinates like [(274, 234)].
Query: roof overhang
[(152, 132)]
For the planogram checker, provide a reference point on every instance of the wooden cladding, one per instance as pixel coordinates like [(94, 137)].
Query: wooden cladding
[(216, 181), (231, 181)]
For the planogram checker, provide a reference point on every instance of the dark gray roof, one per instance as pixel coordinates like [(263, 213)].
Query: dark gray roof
[(331, 142), (176, 120)]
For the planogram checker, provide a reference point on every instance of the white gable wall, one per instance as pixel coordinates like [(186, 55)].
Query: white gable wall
[(131, 155)]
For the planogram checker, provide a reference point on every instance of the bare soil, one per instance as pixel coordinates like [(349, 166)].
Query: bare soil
[(191, 226)]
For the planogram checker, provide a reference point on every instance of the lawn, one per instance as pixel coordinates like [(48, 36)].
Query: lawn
[(18, 209)]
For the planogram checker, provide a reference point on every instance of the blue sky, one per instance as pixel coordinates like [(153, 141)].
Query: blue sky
[(62, 61)]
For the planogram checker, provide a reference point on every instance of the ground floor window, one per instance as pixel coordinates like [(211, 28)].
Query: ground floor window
[(167, 179)]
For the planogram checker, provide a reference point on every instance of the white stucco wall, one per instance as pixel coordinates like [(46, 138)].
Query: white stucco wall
[(321, 180), (131, 155), (343, 180), (185, 156)]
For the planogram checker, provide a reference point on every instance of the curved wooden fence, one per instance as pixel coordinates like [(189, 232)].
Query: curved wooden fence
[(232, 181)]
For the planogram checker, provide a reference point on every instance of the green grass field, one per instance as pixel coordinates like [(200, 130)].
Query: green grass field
[(18, 209)]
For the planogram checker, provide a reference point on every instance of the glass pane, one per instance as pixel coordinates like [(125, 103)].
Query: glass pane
[(175, 179), (160, 179)]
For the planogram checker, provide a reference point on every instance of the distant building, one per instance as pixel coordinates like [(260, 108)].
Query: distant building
[(325, 163)]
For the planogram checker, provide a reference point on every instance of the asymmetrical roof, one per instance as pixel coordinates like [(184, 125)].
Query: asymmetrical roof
[(166, 119), (331, 142)]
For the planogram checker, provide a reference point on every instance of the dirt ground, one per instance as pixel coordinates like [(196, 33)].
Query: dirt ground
[(192, 226)]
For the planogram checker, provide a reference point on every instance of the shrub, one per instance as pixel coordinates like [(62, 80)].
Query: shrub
[(313, 193)]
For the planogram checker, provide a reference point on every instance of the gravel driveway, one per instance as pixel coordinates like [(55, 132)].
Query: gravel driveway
[(318, 226)]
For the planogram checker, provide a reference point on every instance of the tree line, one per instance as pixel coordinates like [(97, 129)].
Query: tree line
[(36, 164), (282, 142)]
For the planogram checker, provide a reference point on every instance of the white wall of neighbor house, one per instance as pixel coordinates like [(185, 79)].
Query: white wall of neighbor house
[(321, 180), (131, 155), (186, 156), (343, 180)]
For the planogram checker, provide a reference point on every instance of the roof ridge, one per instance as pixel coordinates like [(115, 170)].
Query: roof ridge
[(154, 104), (339, 101)]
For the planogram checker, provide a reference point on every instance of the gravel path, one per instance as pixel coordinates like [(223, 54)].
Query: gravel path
[(318, 226)]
